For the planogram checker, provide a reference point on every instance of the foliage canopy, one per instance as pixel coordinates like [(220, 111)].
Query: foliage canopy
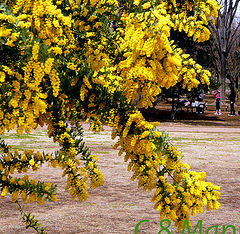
[(62, 62)]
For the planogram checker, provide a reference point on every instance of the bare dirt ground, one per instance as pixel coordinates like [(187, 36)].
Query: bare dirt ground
[(212, 146)]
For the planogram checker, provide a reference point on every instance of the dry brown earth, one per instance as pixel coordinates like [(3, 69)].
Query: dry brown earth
[(117, 206)]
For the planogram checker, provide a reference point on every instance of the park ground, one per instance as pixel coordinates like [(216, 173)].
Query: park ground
[(210, 144)]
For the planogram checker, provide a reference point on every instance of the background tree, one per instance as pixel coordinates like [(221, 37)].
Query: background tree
[(225, 32), (200, 52), (234, 64), (64, 62)]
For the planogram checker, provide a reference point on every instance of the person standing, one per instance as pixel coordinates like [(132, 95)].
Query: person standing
[(232, 98), (201, 96), (217, 95), (200, 104)]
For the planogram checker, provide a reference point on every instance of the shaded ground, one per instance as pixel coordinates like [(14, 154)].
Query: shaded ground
[(118, 205), (208, 118)]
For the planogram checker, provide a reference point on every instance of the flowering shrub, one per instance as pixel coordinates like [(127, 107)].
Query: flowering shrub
[(62, 62)]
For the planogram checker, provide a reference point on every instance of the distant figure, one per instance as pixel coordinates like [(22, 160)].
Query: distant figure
[(217, 95), (232, 98), (201, 96), (186, 103)]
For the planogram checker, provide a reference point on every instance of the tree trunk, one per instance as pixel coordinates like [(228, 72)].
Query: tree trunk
[(223, 75), (238, 88), (173, 109), (223, 84)]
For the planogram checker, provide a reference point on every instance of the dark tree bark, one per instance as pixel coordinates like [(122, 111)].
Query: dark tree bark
[(225, 34)]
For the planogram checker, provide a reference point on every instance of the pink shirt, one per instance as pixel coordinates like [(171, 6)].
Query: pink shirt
[(217, 94)]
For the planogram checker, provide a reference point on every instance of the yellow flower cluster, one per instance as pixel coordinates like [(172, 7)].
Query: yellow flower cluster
[(26, 78), (30, 190), (195, 25), (65, 158), (151, 61), (152, 159), (144, 47), (90, 60), (192, 73), (28, 101)]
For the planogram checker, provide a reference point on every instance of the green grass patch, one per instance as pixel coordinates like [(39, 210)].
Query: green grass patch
[(101, 152), (198, 158), (17, 136), (34, 140), (119, 163), (87, 204), (18, 147), (192, 139)]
